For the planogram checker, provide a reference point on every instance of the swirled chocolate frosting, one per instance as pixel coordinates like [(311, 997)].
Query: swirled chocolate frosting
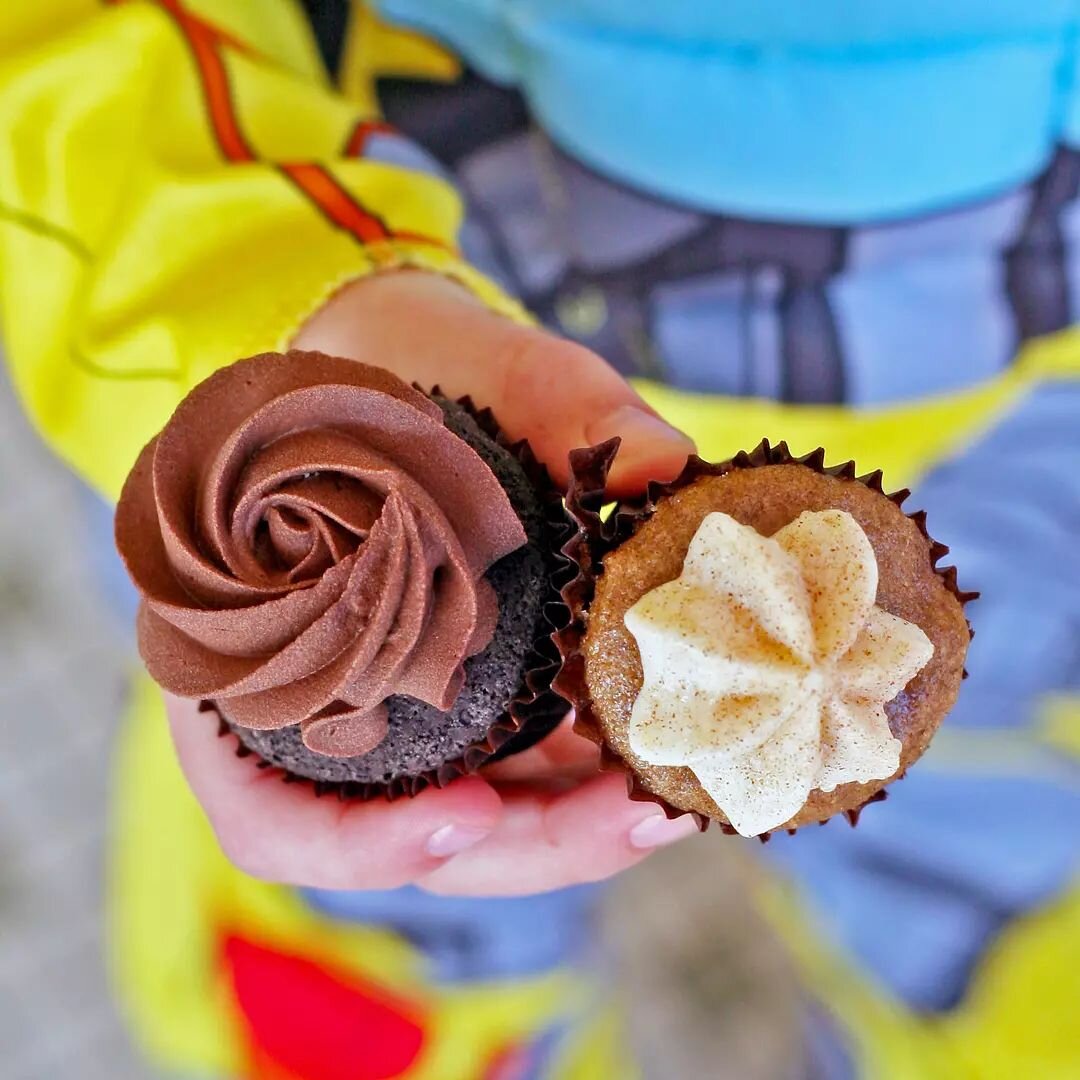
[(309, 538)]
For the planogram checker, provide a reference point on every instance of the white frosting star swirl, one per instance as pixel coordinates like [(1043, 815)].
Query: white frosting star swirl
[(767, 666)]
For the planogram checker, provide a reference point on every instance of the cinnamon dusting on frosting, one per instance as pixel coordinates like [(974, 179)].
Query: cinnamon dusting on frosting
[(767, 666)]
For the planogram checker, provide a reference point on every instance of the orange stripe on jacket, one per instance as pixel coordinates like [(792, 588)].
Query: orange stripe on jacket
[(357, 141), (218, 94), (314, 181), (336, 203)]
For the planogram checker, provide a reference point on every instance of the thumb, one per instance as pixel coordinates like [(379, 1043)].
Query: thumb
[(554, 393)]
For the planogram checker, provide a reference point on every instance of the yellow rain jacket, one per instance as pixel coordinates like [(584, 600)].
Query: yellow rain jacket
[(180, 186)]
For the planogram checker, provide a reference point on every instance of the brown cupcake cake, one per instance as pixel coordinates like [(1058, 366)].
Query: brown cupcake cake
[(764, 643), (356, 577)]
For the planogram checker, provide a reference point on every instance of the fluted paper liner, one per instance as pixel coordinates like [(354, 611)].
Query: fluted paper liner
[(532, 713), (594, 537)]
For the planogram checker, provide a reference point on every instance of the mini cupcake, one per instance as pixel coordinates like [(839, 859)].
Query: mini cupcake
[(762, 643), (356, 577)]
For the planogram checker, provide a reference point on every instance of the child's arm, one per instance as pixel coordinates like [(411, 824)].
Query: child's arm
[(175, 195)]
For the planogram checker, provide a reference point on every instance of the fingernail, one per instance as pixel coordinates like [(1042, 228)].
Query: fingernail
[(658, 830), (453, 839), (635, 425)]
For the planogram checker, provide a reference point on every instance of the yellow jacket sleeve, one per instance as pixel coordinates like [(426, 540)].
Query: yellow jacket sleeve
[(180, 187)]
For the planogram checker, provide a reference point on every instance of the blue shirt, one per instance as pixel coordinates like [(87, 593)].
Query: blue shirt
[(834, 112)]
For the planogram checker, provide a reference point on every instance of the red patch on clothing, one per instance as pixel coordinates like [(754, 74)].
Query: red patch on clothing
[(306, 1022)]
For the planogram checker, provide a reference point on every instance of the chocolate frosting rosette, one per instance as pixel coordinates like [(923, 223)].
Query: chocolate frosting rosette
[(355, 576)]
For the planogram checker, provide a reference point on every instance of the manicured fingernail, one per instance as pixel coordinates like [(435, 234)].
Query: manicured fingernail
[(453, 839), (657, 830), (637, 428)]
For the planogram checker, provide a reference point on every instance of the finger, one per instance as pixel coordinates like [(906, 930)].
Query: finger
[(546, 842), (562, 756), (283, 833), (554, 393)]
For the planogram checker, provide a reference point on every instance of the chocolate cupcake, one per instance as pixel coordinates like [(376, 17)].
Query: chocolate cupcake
[(356, 577), (763, 643)]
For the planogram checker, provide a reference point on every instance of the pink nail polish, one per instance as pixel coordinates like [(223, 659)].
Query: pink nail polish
[(657, 831), (453, 839)]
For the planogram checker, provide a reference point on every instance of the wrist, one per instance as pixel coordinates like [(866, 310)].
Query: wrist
[(361, 307)]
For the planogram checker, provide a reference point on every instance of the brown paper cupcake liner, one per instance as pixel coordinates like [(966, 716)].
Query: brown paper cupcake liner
[(595, 536), (535, 711)]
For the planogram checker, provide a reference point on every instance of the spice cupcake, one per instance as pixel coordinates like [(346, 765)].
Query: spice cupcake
[(354, 576), (763, 643)]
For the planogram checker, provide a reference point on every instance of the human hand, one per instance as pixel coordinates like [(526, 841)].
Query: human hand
[(542, 819), (553, 392)]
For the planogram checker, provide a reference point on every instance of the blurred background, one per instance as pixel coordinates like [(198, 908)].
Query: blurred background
[(713, 994), (885, 261)]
